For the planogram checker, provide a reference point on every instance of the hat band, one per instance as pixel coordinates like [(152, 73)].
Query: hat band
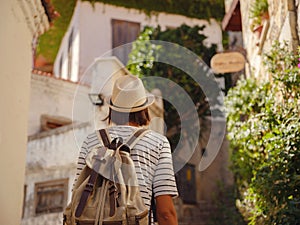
[(145, 103)]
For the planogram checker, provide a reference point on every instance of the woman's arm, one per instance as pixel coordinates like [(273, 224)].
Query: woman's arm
[(165, 210)]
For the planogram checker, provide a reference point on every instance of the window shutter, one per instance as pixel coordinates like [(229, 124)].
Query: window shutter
[(123, 32)]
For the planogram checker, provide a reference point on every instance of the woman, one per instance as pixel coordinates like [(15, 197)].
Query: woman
[(128, 110)]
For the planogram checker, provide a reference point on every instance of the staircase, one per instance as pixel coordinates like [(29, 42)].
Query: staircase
[(199, 214)]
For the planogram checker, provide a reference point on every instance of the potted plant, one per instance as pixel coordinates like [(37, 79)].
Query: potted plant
[(258, 13)]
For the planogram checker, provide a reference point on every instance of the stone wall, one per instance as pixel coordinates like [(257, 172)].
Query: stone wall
[(210, 182), (227, 4), (282, 25)]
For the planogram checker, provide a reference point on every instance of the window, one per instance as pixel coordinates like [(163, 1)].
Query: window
[(24, 200), (123, 32), (51, 122), (50, 196), (70, 54), (60, 65), (186, 182)]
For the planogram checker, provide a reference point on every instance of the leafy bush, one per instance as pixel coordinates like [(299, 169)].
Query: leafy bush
[(264, 130), (146, 60)]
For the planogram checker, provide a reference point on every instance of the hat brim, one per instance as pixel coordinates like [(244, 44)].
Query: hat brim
[(150, 101)]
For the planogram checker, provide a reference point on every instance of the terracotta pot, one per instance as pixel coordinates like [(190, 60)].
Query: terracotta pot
[(265, 16), (257, 30)]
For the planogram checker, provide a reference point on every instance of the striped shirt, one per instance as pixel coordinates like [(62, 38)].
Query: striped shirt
[(152, 159)]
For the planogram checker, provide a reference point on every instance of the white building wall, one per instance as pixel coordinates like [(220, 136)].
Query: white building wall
[(21, 22), (55, 97), (51, 155), (75, 61), (95, 31), (60, 68), (278, 28)]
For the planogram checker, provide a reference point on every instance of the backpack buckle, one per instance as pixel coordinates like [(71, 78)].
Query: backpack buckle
[(89, 187)]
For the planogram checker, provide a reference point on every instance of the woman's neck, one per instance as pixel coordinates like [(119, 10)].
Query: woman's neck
[(132, 124)]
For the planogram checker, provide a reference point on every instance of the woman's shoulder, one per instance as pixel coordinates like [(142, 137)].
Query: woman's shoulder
[(125, 132), (158, 136), (91, 139), (128, 130), (121, 129)]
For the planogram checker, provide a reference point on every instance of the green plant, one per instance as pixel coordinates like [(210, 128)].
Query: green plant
[(258, 12), (149, 64), (201, 9), (258, 8), (256, 22), (49, 42), (264, 130)]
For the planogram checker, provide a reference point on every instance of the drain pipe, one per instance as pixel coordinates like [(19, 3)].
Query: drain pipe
[(292, 11)]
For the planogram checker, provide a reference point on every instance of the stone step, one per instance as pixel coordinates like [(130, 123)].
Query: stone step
[(192, 223), (199, 214)]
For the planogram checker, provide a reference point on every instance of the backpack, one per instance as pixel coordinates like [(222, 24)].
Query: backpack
[(107, 191)]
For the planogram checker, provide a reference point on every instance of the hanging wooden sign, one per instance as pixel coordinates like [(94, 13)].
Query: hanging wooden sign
[(227, 62)]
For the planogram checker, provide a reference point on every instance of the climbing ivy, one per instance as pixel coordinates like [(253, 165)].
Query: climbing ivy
[(263, 121), (201, 9), (49, 42)]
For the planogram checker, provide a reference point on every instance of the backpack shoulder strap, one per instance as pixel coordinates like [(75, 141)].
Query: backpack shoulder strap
[(132, 140), (92, 178), (135, 137), (105, 137), (86, 193)]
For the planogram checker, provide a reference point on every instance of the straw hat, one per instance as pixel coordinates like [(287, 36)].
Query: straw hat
[(129, 95)]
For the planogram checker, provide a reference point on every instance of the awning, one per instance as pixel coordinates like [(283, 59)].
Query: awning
[(232, 20)]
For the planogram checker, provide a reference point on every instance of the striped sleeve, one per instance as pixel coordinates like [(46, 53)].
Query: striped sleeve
[(164, 179)]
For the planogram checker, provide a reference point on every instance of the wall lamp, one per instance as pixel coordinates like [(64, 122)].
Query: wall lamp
[(96, 99)]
